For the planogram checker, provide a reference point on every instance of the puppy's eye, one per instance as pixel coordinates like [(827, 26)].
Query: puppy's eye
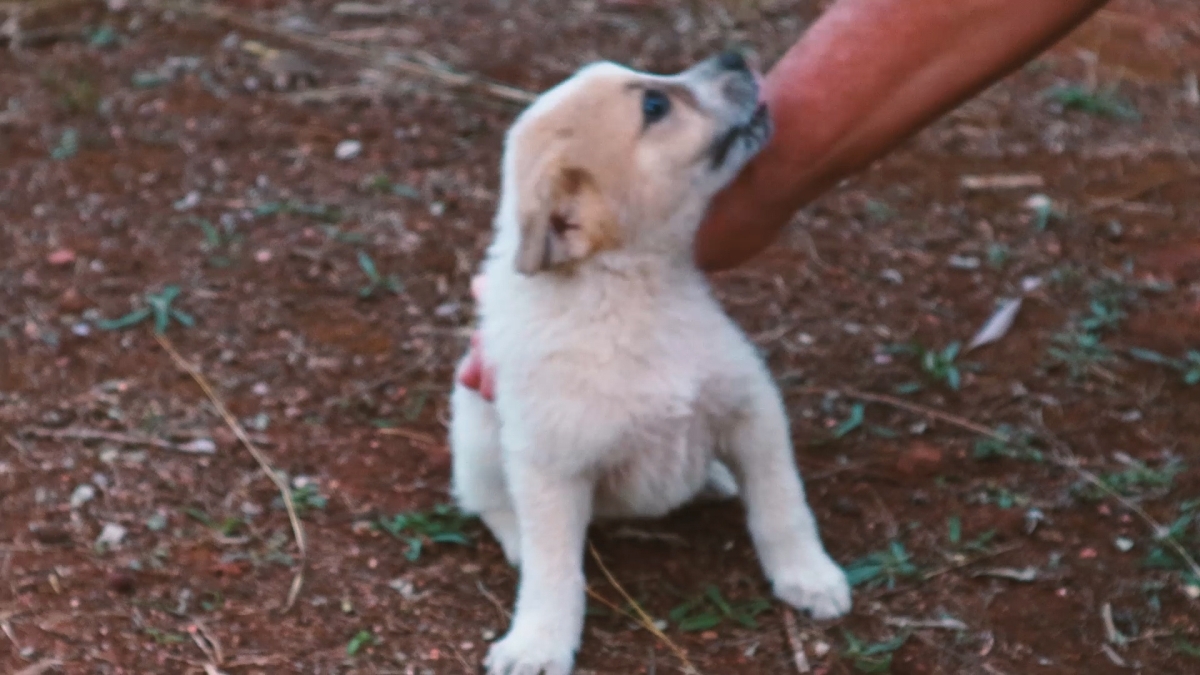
[(655, 105)]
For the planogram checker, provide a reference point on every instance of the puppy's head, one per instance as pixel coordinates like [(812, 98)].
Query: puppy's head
[(614, 158)]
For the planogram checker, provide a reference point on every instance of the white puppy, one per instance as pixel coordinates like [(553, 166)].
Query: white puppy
[(622, 388)]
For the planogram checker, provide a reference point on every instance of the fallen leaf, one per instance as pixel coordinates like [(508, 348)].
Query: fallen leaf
[(998, 325)]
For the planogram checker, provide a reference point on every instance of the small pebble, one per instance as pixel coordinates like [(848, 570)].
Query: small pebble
[(1123, 544), (61, 257), (82, 495), (348, 149)]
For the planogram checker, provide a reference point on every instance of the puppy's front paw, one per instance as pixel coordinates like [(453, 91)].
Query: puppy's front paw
[(528, 655), (817, 586)]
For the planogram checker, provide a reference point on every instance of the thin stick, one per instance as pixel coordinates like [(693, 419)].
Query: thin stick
[(1161, 532), (393, 62), (504, 614), (280, 483), (915, 408), (795, 642), (110, 436), (642, 616)]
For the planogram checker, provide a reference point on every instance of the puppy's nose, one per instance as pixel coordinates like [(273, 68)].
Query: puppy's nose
[(732, 60)]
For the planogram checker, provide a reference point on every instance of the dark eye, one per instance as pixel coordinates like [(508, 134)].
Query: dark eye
[(655, 105)]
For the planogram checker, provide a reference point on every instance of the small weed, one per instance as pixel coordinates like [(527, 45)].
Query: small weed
[(1105, 314), (442, 525), (1183, 530), (362, 638), (879, 212), (159, 307), (1017, 444), (1187, 649), (228, 526), (1188, 366), (380, 183), (852, 422), (710, 609), (391, 282), (305, 498), (1079, 351), (1102, 103), (1044, 212), (1003, 498), (998, 255), (102, 37), (320, 212), (68, 145), (1135, 479), (882, 566), (163, 637), (871, 657), (220, 243), (954, 536), (939, 366)]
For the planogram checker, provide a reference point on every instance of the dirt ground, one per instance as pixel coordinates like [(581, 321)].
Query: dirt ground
[(270, 162)]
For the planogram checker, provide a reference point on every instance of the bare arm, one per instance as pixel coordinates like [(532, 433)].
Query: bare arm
[(867, 75)]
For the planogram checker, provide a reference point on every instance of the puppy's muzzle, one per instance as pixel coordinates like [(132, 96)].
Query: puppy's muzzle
[(736, 83)]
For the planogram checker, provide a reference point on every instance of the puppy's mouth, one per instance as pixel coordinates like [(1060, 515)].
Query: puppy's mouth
[(749, 136)]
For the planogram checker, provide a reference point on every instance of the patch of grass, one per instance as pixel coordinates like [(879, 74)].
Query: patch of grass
[(871, 657), (710, 609), (159, 307), (1017, 444), (1101, 102), (882, 567), (391, 282), (362, 638), (1188, 366), (443, 524)]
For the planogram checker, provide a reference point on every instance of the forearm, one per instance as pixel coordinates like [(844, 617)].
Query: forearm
[(867, 75)]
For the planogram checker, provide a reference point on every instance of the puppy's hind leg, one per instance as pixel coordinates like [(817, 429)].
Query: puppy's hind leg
[(478, 482), (781, 523)]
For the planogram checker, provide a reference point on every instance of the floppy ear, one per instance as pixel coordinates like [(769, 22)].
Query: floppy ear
[(564, 218)]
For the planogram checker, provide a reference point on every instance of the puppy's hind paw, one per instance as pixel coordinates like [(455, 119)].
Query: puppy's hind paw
[(528, 655), (818, 587)]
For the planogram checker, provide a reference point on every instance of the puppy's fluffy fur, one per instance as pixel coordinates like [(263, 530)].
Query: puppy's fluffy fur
[(622, 388)]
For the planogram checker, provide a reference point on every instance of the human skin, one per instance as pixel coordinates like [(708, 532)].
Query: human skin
[(863, 78)]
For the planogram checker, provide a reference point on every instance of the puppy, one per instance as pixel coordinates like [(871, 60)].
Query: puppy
[(622, 388)]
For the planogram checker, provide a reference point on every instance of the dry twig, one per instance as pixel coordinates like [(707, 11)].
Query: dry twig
[(641, 616), (795, 641), (280, 483), (114, 437)]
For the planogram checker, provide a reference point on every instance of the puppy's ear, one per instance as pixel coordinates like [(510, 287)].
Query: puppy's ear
[(564, 218)]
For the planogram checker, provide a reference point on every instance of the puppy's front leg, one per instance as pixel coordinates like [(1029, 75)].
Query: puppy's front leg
[(781, 523), (552, 515)]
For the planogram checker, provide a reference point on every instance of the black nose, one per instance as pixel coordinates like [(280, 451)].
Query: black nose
[(732, 60)]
